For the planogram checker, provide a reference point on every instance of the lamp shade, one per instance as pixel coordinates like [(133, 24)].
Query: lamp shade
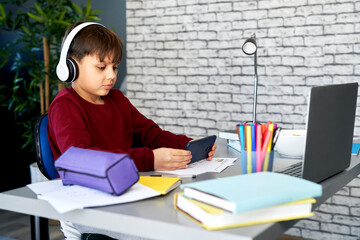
[(249, 47)]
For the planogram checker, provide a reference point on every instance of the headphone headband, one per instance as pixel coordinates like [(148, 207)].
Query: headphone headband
[(62, 70)]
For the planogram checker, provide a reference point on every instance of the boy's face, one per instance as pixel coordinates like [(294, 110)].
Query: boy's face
[(95, 78)]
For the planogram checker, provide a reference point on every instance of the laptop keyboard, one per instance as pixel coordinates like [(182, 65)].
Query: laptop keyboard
[(292, 170)]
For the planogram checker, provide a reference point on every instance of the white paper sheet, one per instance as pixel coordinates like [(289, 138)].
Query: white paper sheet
[(67, 198), (216, 165)]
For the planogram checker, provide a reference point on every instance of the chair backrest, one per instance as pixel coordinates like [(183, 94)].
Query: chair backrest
[(44, 155)]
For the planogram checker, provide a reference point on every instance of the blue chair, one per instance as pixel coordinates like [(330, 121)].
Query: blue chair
[(44, 155), (46, 164)]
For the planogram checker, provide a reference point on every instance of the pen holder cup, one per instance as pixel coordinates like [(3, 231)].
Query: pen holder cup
[(252, 162)]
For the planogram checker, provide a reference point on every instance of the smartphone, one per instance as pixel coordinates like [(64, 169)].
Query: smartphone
[(200, 148)]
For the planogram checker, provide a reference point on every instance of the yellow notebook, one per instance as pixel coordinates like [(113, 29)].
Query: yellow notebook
[(163, 185), (213, 218)]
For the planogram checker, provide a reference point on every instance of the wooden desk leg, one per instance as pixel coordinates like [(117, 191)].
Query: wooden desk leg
[(39, 228)]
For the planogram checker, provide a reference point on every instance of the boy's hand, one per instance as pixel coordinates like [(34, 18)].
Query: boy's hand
[(170, 159), (212, 152)]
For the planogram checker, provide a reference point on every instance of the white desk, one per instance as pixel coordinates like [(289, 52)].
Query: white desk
[(156, 218)]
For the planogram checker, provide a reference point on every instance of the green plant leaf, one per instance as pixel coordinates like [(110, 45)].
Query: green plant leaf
[(25, 30), (93, 18), (62, 22), (62, 15), (77, 8), (5, 54), (88, 8), (38, 9), (96, 12), (2, 13), (34, 17)]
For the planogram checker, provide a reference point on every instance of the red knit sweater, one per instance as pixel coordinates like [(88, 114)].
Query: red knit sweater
[(115, 126)]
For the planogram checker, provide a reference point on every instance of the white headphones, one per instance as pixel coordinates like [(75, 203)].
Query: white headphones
[(67, 69)]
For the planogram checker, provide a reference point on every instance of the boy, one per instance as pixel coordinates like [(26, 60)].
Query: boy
[(90, 114)]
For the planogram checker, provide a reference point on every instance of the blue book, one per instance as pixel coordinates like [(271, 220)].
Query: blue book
[(355, 149), (247, 192)]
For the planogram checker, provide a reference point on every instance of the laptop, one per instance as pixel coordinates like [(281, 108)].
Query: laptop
[(329, 132)]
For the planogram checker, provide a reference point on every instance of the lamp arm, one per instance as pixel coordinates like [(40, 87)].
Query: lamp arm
[(255, 87)]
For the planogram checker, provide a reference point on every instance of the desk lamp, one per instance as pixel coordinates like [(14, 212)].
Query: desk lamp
[(249, 48)]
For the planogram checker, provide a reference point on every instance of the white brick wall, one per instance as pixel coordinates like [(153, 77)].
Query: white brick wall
[(187, 72)]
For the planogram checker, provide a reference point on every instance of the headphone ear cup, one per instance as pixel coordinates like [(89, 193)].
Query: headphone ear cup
[(73, 70)]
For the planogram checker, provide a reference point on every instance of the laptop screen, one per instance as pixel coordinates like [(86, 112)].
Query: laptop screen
[(330, 127)]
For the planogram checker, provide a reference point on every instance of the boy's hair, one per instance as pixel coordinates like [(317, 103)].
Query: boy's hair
[(95, 39)]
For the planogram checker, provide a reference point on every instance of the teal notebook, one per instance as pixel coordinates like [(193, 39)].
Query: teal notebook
[(355, 149), (251, 191)]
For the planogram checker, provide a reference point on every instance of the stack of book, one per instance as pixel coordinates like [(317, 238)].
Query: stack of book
[(232, 139), (250, 199)]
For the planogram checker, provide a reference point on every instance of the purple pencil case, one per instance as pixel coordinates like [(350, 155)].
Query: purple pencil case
[(109, 172)]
